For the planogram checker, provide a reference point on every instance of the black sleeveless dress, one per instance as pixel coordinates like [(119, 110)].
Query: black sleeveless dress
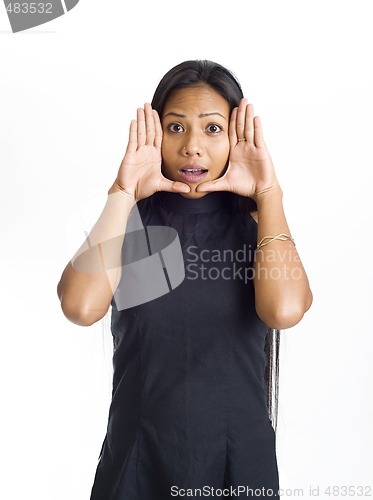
[(188, 406)]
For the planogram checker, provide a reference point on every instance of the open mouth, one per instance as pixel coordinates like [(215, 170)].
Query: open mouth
[(193, 174)]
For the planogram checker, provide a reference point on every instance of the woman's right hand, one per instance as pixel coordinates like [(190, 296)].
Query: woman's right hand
[(140, 171)]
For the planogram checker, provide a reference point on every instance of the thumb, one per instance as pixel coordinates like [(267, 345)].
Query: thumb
[(172, 186), (217, 185)]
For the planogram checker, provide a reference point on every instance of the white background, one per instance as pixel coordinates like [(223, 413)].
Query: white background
[(68, 91)]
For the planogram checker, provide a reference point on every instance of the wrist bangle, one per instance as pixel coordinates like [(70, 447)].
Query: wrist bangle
[(271, 238)]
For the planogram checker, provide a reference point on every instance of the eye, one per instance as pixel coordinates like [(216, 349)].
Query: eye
[(214, 128), (175, 127)]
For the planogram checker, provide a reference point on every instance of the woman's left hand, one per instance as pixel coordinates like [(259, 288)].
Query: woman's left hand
[(250, 169)]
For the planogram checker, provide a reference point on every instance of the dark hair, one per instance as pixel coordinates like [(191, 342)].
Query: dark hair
[(205, 72)]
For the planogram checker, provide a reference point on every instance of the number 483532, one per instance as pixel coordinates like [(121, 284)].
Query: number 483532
[(29, 8)]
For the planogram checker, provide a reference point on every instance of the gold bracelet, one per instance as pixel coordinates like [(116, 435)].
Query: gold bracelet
[(271, 238)]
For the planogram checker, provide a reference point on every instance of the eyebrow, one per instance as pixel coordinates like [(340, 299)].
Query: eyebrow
[(202, 115)]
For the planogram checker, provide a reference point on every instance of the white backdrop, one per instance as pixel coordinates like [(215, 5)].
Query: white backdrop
[(68, 91)]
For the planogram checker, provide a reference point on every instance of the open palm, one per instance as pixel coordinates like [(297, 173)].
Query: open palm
[(250, 168), (140, 172)]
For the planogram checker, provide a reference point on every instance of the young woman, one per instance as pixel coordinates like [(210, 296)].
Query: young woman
[(192, 409)]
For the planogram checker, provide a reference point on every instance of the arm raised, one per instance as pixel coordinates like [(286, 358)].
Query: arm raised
[(90, 279), (282, 291)]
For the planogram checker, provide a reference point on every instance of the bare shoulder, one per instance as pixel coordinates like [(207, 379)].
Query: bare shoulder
[(254, 215)]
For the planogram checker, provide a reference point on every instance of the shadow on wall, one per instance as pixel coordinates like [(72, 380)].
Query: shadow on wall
[(25, 15)]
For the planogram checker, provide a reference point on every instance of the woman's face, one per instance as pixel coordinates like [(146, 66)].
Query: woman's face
[(195, 122)]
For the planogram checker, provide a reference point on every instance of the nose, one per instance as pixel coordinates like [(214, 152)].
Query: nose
[(192, 145)]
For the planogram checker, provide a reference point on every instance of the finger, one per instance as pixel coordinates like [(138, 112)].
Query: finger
[(173, 186), (240, 120), (132, 141), (232, 128), (141, 132), (217, 185), (258, 133), (249, 124), (149, 122), (158, 130)]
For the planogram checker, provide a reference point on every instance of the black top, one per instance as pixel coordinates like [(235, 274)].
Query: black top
[(188, 405)]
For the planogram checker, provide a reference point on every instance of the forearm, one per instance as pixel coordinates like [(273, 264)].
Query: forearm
[(92, 275), (282, 292)]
